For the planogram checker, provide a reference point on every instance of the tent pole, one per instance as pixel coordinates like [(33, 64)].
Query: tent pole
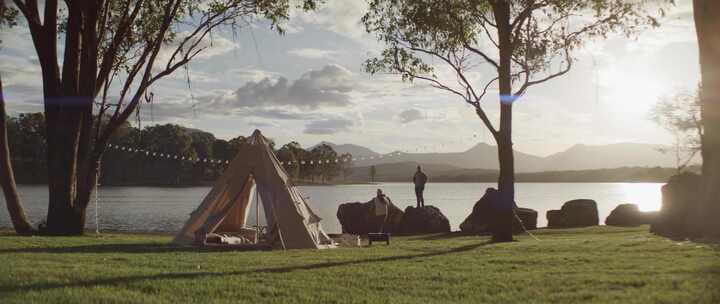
[(257, 215), (277, 224)]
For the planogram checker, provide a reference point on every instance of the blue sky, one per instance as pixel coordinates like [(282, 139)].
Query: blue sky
[(308, 85)]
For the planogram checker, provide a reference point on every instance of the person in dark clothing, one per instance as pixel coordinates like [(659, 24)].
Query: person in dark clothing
[(419, 179)]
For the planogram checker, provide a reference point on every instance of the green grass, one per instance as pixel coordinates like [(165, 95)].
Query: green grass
[(599, 265)]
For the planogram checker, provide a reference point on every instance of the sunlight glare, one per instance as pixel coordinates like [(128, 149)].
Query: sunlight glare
[(647, 196)]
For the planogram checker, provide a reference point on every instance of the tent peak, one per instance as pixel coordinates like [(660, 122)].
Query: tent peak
[(257, 137)]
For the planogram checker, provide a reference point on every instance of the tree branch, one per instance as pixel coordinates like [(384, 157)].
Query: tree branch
[(483, 55), (120, 35), (528, 83), (437, 84)]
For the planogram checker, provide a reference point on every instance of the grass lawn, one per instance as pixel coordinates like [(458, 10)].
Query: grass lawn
[(600, 264)]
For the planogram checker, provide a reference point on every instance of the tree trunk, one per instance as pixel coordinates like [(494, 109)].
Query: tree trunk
[(506, 180), (707, 24), (72, 161), (7, 177), (63, 218)]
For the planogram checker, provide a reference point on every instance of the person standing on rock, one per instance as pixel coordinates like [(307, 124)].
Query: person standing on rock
[(382, 204), (419, 179)]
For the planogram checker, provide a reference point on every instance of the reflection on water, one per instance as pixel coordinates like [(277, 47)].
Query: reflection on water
[(166, 209)]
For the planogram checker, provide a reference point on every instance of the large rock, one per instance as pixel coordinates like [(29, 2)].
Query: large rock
[(580, 213), (574, 214), (555, 219), (628, 215), (360, 218), (484, 212), (528, 217), (681, 199), (427, 219)]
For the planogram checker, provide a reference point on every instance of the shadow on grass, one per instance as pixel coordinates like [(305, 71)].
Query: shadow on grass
[(200, 275), (129, 248), (442, 236)]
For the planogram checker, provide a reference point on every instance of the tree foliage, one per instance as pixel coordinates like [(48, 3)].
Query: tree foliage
[(26, 135), (463, 36)]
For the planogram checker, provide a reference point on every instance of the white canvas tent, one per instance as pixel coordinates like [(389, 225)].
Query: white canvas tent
[(290, 221)]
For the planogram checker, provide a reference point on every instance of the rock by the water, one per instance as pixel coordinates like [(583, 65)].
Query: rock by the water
[(479, 221), (629, 215), (360, 218), (555, 219), (681, 197), (528, 217), (574, 214), (427, 219), (580, 213)]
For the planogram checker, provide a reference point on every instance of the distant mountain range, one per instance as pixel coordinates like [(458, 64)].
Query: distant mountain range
[(355, 150), (484, 156), (402, 172)]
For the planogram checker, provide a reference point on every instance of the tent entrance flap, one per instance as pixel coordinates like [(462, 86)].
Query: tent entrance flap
[(236, 217), (226, 207)]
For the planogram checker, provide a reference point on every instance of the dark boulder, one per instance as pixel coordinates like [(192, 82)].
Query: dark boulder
[(484, 212), (360, 218), (681, 199), (426, 219), (580, 213), (574, 214), (528, 217), (628, 215), (555, 219)]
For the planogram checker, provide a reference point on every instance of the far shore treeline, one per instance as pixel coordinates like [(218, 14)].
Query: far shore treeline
[(26, 135)]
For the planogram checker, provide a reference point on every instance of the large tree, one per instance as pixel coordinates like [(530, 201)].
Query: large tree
[(7, 176), (510, 44), (112, 52), (707, 25)]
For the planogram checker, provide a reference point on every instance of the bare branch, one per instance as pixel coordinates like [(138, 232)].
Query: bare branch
[(565, 70), (487, 86), (475, 102), (458, 69), (487, 21), (489, 36), (120, 35), (483, 55)]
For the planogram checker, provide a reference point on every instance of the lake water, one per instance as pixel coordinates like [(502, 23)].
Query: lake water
[(166, 209)]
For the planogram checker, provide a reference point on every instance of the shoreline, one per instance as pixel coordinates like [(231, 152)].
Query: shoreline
[(375, 183)]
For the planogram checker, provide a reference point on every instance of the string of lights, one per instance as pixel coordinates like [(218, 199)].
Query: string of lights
[(150, 153)]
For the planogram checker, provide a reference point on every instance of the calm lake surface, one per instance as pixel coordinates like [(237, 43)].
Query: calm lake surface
[(154, 209)]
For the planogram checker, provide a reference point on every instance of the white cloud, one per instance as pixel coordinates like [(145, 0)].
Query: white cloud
[(328, 126), (341, 17), (328, 86), (214, 45), (311, 53)]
